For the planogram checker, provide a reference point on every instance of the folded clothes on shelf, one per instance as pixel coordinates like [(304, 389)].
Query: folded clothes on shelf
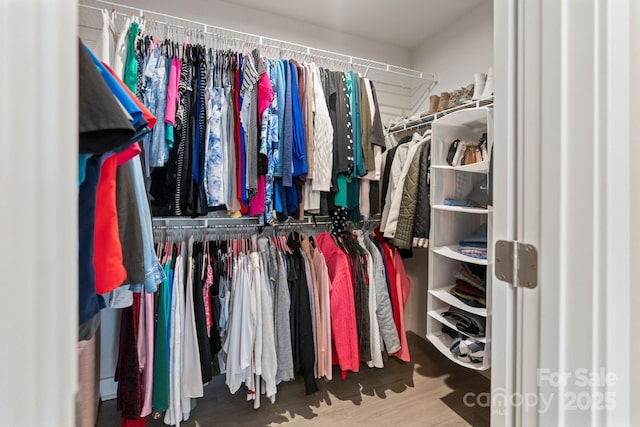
[(466, 203), (469, 294), (463, 347), (474, 275), (468, 289), (478, 237), (473, 252), (466, 322), (471, 351), (470, 300), (475, 244)]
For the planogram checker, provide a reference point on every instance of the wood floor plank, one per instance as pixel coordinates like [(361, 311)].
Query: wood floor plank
[(428, 391)]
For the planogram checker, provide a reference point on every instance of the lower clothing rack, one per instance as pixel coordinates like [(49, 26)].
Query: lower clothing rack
[(224, 222)]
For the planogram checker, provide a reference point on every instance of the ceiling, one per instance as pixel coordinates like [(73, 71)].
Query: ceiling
[(404, 23)]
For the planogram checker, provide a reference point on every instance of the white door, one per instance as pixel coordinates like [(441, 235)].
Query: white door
[(38, 219), (565, 183)]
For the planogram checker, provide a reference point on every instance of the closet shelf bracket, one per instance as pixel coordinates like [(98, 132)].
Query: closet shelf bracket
[(516, 263)]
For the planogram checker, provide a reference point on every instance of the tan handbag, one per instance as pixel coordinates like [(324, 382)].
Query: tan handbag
[(472, 155)]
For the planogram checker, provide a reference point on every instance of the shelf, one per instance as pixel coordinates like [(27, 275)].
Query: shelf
[(444, 296), (429, 118), (443, 342), (464, 209), (452, 253), (437, 314), (479, 167)]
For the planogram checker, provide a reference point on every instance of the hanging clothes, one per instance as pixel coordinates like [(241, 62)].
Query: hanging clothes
[(247, 133), (250, 135)]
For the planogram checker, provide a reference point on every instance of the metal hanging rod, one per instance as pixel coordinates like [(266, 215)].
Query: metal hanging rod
[(426, 120), (223, 222), (351, 61)]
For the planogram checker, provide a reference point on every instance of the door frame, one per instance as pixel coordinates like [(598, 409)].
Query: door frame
[(39, 218), (563, 108)]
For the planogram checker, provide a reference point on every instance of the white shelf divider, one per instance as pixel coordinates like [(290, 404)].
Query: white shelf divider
[(479, 167), (444, 296), (437, 314), (464, 209), (452, 253)]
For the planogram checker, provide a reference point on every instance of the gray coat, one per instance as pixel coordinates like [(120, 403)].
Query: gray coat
[(384, 312), (406, 217)]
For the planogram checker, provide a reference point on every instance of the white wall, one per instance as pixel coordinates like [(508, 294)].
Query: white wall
[(455, 54), (415, 314), (459, 50)]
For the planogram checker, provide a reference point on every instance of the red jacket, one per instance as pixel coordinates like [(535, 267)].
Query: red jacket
[(342, 304)]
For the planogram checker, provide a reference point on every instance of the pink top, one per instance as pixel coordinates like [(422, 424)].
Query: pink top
[(172, 91), (147, 386), (324, 325), (265, 95), (256, 205), (341, 299)]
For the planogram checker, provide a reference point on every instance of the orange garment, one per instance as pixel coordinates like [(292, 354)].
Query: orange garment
[(107, 251), (150, 118), (107, 257)]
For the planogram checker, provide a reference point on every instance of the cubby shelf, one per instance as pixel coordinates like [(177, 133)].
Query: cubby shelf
[(451, 252), (444, 296), (451, 224), (442, 342), (463, 209)]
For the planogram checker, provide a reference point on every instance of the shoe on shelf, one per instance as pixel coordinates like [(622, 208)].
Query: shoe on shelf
[(444, 101), (434, 101), (488, 87), (455, 98), (478, 88), (467, 94)]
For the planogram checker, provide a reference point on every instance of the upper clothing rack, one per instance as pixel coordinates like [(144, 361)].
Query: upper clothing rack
[(400, 77)]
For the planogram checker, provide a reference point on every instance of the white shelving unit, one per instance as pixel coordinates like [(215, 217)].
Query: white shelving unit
[(451, 224)]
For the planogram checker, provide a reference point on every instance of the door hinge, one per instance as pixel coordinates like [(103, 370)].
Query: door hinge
[(516, 263)]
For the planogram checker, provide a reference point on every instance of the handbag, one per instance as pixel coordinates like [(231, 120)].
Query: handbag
[(483, 147), (459, 155), (472, 155), (452, 151)]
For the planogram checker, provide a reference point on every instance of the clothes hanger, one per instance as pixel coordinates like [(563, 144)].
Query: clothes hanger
[(204, 260)]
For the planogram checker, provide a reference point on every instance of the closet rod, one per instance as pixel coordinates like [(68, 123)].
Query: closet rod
[(351, 61), (245, 226), (416, 123), (230, 223)]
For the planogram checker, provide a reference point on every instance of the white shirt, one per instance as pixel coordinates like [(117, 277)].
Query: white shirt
[(396, 195), (323, 137), (192, 371)]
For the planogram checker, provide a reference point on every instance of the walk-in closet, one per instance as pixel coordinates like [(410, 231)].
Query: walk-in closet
[(304, 252), (330, 213)]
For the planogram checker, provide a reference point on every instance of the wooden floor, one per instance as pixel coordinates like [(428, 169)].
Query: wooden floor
[(428, 391)]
